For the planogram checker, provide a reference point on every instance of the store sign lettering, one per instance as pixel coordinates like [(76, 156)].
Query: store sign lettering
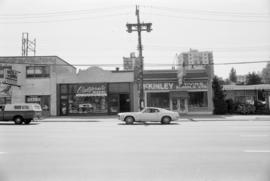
[(33, 99), (195, 85), (92, 90), (159, 86)]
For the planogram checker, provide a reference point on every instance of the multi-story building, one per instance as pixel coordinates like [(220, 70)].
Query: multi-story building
[(36, 79), (129, 63), (195, 59)]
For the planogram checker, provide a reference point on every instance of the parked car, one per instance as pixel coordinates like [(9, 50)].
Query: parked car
[(149, 114), (20, 113)]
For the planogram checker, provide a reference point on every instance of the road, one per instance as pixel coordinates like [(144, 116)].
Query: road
[(109, 150)]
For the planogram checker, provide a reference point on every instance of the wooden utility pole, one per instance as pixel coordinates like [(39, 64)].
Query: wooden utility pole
[(138, 74)]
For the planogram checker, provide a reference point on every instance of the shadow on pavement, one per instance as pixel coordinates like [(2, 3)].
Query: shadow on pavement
[(148, 124), (69, 121), (11, 123)]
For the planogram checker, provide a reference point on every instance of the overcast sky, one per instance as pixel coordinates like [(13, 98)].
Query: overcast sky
[(94, 32)]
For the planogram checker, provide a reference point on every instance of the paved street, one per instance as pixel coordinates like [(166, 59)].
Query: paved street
[(106, 149)]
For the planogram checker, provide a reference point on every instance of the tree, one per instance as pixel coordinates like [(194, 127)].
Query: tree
[(253, 78), (266, 74), (232, 76), (220, 106)]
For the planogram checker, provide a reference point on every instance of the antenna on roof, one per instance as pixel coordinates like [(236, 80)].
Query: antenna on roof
[(28, 45)]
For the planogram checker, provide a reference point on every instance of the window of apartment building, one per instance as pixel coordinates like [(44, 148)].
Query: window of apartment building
[(37, 71), (2, 68)]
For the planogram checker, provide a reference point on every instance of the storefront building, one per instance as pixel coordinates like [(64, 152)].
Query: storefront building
[(249, 93), (35, 80), (162, 89), (96, 92)]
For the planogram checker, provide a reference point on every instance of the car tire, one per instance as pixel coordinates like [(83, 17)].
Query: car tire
[(27, 121), (18, 120), (129, 120), (166, 120)]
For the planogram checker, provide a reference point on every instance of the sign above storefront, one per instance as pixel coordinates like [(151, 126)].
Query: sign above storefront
[(195, 85), (160, 86), (91, 90)]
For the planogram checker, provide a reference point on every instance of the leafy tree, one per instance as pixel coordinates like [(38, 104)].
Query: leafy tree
[(253, 78), (220, 106), (232, 76), (266, 74)]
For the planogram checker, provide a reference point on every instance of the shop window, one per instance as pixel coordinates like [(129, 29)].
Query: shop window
[(63, 89), (42, 100), (197, 99), (37, 71), (5, 100), (87, 104), (158, 100), (114, 103)]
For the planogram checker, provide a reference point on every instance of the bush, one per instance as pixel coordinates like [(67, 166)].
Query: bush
[(245, 108)]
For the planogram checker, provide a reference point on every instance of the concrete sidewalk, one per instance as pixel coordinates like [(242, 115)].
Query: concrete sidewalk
[(189, 117)]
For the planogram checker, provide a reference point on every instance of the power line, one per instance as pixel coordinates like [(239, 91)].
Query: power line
[(120, 64), (71, 12), (66, 20), (209, 12), (209, 19)]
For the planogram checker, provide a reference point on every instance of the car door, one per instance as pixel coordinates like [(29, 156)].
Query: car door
[(150, 114)]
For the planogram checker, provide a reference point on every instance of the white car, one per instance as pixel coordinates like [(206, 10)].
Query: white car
[(149, 114)]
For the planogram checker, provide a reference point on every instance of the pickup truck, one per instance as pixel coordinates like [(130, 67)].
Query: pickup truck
[(20, 113)]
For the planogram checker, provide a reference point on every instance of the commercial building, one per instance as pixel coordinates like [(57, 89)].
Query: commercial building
[(95, 91), (36, 79), (249, 93)]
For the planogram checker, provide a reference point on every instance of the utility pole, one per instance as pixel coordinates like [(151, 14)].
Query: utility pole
[(28, 45), (138, 74)]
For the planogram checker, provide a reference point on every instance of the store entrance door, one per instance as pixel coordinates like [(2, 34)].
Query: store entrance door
[(180, 105), (124, 103)]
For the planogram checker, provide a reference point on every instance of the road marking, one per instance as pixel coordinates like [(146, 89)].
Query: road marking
[(257, 151), (259, 135)]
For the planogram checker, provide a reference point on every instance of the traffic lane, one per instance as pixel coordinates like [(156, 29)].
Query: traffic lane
[(134, 151)]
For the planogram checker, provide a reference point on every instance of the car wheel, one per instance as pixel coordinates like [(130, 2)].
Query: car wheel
[(166, 120), (27, 121), (129, 120), (18, 120)]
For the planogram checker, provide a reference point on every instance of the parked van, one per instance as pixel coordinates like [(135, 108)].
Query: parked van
[(20, 112)]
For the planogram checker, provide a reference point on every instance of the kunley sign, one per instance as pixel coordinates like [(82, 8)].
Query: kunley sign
[(160, 86), (174, 85)]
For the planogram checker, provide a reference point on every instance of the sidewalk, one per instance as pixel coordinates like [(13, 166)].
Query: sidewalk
[(226, 117), (196, 117)]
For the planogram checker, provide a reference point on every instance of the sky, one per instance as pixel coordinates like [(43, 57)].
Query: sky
[(94, 32)]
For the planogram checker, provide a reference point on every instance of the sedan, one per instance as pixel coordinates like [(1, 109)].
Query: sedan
[(149, 114)]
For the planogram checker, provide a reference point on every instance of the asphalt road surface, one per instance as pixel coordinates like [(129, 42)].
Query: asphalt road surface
[(109, 150)]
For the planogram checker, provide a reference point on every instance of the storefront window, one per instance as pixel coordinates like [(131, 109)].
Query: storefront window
[(197, 99), (87, 104), (5, 100), (161, 100), (42, 100), (83, 98)]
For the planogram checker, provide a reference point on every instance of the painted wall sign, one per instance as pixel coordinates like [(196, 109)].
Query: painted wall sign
[(91, 90), (159, 86)]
